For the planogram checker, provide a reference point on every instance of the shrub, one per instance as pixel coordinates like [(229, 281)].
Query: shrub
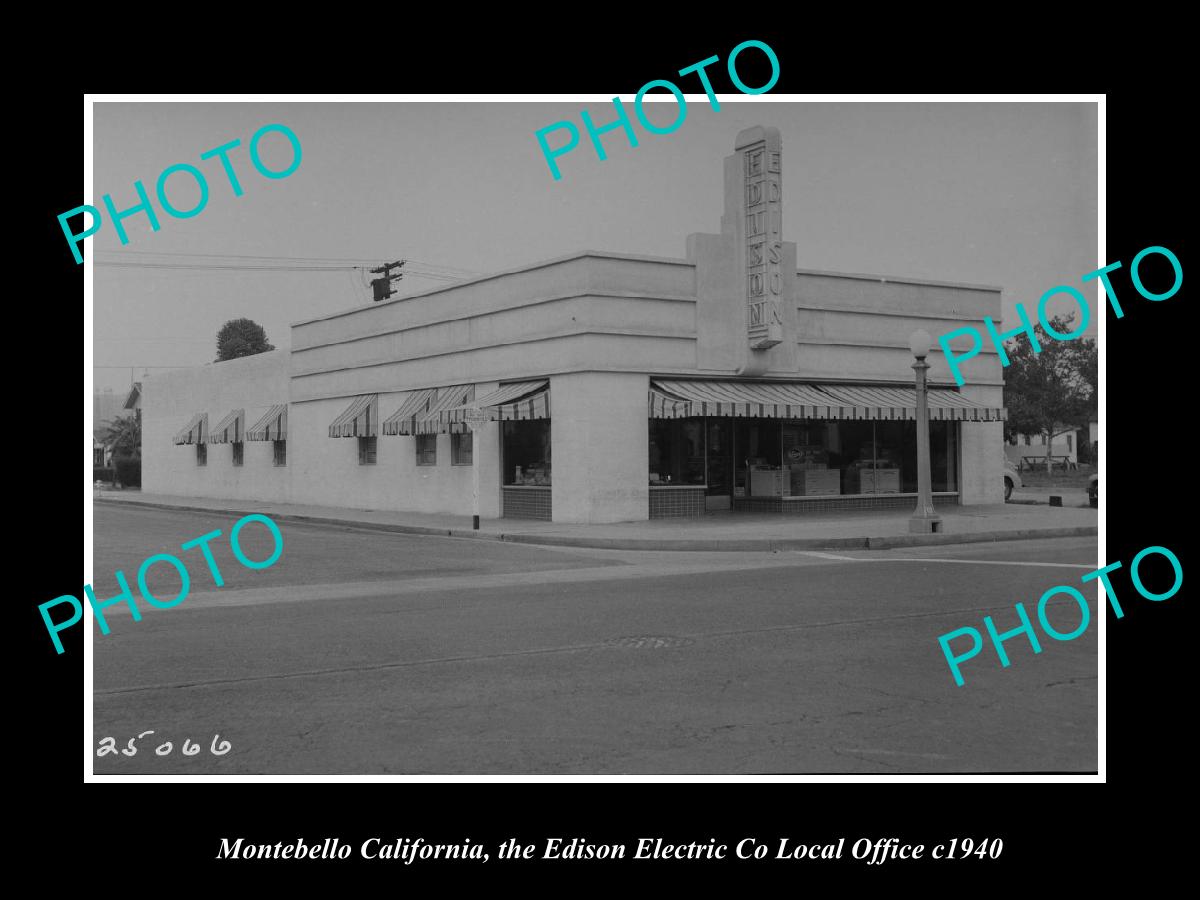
[(102, 473), (129, 471)]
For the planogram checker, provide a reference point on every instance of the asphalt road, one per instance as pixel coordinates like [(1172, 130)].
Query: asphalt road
[(368, 653)]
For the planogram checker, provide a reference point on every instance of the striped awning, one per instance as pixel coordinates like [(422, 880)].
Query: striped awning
[(230, 430), (361, 418), (509, 402), (195, 432), (674, 399), (665, 406), (901, 403), (416, 405), (272, 426), (435, 421)]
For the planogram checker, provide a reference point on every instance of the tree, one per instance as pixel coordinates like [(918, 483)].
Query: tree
[(241, 337), (1089, 364), (1052, 392), (124, 435)]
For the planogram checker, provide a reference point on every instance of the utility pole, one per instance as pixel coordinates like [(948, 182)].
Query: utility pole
[(382, 287)]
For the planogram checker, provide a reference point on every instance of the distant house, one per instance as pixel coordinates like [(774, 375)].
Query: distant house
[(1024, 447), (133, 400)]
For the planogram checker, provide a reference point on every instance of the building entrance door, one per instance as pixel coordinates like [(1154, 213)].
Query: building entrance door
[(718, 434)]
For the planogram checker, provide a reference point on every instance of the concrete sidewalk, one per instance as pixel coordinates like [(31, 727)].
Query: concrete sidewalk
[(1071, 496), (715, 532)]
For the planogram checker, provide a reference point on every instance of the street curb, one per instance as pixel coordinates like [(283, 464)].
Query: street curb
[(978, 537), (713, 545), (318, 520)]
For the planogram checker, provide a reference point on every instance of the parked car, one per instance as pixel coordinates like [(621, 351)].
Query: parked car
[(1094, 490), (1012, 480)]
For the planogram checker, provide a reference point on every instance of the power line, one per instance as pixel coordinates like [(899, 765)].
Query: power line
[(470, 272), (290, 259), (346, 259), (223, 267), (353, 286), (153, 340)]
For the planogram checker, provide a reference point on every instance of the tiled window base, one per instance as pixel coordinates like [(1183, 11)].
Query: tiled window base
[(527, 503), (830, 504), (666, 503)]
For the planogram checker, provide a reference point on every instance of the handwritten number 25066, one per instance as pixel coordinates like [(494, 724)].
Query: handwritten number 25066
[(109, 745)]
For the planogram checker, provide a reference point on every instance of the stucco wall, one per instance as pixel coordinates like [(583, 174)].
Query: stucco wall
[(858, 326), (600, 437), (326, 470), (983, 451), (320, 469), (171, 398), (590, 311)]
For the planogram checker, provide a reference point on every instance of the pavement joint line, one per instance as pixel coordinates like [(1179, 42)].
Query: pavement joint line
[(542, 651), (967, 562)]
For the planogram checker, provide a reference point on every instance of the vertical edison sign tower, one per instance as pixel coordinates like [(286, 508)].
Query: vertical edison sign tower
[(761, 237)]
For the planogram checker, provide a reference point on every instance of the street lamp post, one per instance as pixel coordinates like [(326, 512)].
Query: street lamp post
[(924, 519)]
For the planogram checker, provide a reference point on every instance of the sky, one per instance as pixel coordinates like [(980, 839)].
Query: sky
[(992, 193)]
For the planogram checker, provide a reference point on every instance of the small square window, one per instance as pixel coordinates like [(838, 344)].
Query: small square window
[(238, 455), (426, 449), (280, 449), (202, 454), (461, 449), (366, 451), (1026, 440)]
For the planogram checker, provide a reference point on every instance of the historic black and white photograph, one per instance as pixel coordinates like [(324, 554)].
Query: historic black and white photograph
[(651, 437)]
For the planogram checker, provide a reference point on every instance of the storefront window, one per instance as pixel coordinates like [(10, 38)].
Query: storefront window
[(526, 448), (758, 458), (676, 451), (801, 458), (812, 458), (895, 469), (895, 458), (943, 454), (718, 447)]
